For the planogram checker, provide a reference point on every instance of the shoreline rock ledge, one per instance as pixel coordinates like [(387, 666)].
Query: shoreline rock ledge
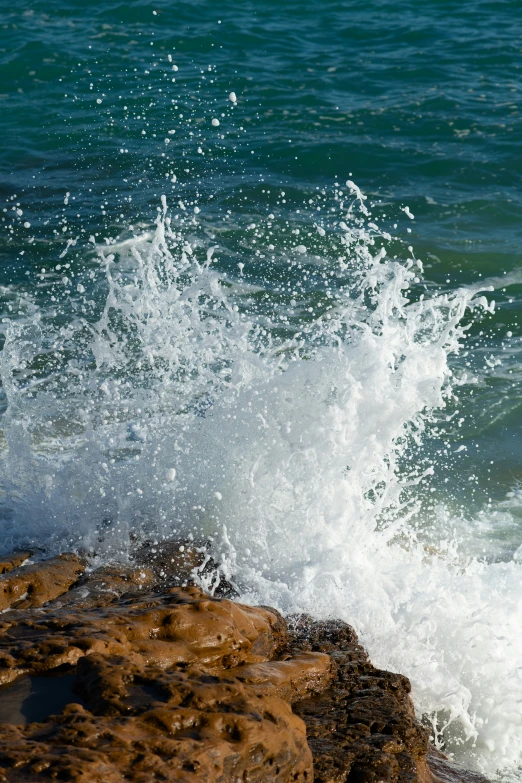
[(122, 675)]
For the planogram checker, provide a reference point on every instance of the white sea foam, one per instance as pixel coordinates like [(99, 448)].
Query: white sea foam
[(180, 411)]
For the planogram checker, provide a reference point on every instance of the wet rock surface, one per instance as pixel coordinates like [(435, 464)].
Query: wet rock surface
[(13, 560), (111, 676), (443, 771), (37, 584), (362, 727)]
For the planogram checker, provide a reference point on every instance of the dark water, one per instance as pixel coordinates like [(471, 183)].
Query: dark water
[(418, 104), (34, 699), (421, 105)]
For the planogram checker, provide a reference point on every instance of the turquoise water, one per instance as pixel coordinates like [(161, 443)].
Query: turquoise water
[(115, 372)]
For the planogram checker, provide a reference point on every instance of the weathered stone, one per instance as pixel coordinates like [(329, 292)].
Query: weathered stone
[(13, 560), (226, 732), (37, 584), (293, 679), (182, 563), (181, 626), (172, 561), (362, 728), (170, 684), (159, 698), (442, 770), (105, 586)]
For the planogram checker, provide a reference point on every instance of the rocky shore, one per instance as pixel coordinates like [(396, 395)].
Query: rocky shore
[(132, 674)]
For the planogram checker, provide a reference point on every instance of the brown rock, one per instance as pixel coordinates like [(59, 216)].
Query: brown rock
[(105, 586), (13, 560), (293, 679), (160, 701), (182, 563), (172, 561), (226, 733), (362, 728), (170, 684), (178, 627), (37, 584), (442, 770)]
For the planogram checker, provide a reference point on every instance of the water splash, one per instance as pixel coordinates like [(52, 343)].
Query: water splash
[(285, 427)]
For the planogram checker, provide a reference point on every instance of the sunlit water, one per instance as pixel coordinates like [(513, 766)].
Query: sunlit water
[(211, 332)]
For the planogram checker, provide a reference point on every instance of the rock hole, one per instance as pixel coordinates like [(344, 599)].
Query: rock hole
[(144, 695)]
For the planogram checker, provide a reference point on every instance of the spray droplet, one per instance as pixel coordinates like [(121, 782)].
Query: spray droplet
[(215, 122), (232, 97), (170, 474)]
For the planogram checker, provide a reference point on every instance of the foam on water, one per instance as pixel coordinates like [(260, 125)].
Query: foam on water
[(187, 408)]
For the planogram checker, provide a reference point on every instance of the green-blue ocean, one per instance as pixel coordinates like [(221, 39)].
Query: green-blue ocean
[(260, 286)]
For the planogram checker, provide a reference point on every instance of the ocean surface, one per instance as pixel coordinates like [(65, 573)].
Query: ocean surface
[(260, 285)]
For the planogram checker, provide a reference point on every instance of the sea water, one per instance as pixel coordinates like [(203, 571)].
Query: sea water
[(260, 289)]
